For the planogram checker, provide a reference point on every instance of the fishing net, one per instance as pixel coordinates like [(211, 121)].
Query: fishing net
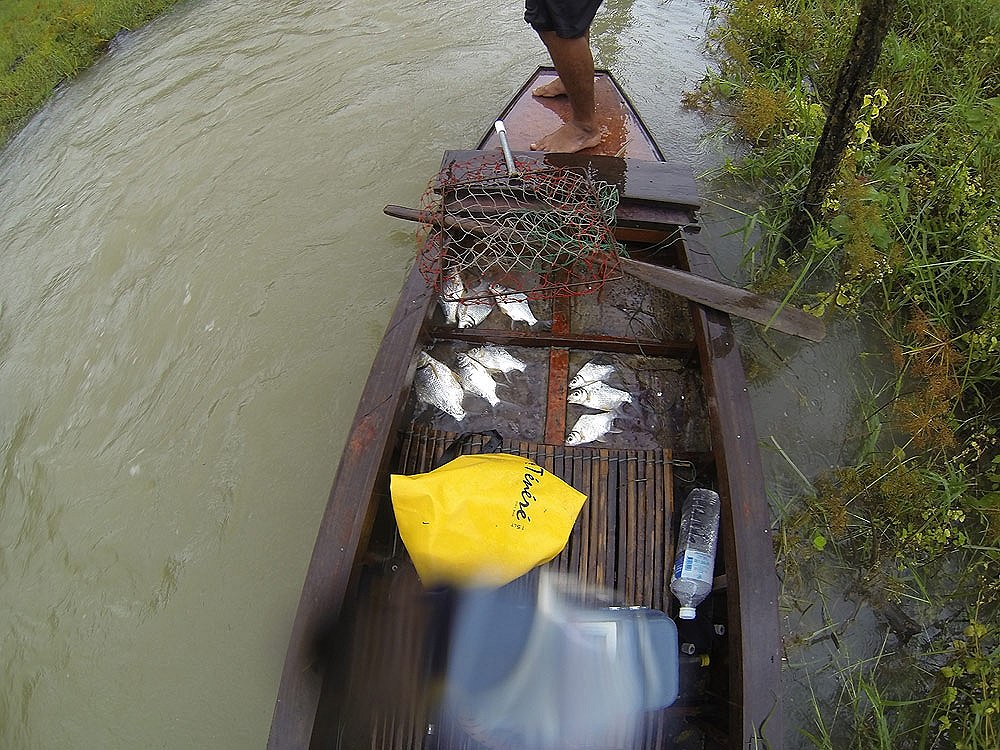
[(546, 232)]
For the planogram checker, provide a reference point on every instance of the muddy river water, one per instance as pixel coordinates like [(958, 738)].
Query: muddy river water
[(196, 272)]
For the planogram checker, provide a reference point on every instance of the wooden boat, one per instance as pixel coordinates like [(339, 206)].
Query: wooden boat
[(356, 668)]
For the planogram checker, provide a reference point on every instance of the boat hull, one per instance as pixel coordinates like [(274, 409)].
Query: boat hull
[(358, 571)]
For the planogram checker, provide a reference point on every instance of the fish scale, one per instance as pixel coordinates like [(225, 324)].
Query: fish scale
[(451, 295), (513, 304), (591, 373), (591, 427), (599, 395), (475, 307)]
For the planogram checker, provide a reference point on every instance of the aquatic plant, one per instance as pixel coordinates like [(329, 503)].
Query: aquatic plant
[(906, 240)]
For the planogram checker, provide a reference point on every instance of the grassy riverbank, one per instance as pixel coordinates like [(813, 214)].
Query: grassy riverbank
[(908, 241), (44, 42)]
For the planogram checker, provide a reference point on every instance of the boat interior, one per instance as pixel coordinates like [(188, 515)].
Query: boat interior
[(380, 691)]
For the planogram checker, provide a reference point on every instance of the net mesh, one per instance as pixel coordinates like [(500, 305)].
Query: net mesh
[(546, 232)]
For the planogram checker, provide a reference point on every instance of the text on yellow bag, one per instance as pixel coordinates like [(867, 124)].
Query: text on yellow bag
[(483, 520)]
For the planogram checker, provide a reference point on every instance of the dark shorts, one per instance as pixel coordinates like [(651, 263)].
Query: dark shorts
[(570, 19)]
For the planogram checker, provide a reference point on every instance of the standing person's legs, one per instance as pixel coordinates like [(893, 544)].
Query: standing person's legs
[(564, 28), (575, 64)]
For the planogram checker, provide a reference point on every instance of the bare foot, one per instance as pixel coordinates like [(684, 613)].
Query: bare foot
[(552, 88), (568, 139)]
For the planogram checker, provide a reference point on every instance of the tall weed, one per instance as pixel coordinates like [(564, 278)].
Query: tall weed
[(908, 237)]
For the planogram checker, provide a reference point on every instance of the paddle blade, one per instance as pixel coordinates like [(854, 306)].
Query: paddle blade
[(730, 299)]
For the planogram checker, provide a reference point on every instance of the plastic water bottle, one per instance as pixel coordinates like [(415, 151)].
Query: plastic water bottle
[(694, 566)]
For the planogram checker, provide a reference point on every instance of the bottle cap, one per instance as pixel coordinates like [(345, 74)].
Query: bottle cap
[(686, 613)]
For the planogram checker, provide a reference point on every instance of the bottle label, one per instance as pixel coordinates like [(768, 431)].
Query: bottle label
[(695, 566)]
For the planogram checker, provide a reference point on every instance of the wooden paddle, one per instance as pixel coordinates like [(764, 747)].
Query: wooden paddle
[(730, 299), (714, 294)]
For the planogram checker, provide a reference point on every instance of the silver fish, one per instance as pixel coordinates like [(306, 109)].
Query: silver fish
[(475, 307), (476, 379), (451, 295), (591, 373), (514, 304), (496, 358), (591, 427), (599, 395), (437, 385)]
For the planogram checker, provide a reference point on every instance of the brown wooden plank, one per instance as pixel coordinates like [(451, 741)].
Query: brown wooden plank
[(605, 552), (638, 181), (561, 471), (612, 344), (618, 488), (660, 220), (646, 566), (664, 566), (649, 236), (645, 499), (596, 520), (734, 300), (753, 628), (527, 116), (642, 558), (631, 553), (579, 557), (638, 506), (555, 412), (656, 529)]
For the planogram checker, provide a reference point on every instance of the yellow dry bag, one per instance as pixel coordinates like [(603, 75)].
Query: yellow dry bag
[(483, 520)]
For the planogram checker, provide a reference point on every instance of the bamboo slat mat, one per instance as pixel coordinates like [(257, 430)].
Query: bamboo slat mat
[(622, 541)]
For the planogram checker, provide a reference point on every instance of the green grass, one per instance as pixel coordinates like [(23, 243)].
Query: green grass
[(44, 42), (908, 239)]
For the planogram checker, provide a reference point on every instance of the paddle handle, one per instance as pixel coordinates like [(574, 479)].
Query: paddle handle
[(508, 157)]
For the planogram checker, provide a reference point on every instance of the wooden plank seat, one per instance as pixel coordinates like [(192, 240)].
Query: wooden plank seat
[(622, 540)]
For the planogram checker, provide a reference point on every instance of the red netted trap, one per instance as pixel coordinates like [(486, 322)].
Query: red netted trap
[(546, 231)]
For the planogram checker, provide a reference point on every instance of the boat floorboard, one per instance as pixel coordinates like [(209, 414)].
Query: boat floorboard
[(622, 541)]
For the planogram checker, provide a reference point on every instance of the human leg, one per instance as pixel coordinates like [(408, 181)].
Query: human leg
[(574, 62)]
